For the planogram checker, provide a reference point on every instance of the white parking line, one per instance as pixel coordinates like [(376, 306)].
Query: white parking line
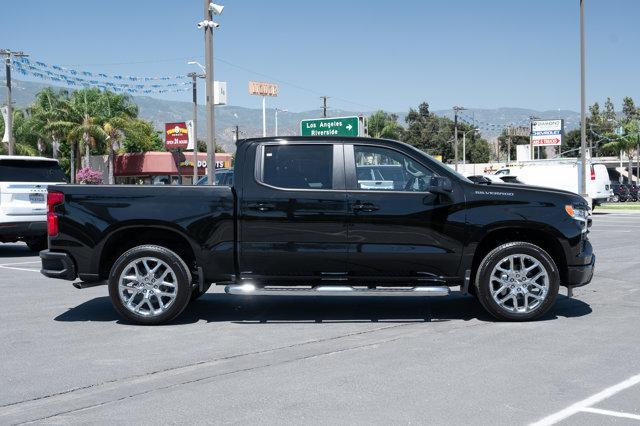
[(611, 413), (19, 269), (19, 263), (588, 402)]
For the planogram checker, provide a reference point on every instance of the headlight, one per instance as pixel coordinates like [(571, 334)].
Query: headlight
[(577, 213)]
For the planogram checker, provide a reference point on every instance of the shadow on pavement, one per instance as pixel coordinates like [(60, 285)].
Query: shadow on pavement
[(8, 250), (283, 309)]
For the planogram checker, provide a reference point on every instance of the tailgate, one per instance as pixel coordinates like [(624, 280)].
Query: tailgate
[(23, 198)]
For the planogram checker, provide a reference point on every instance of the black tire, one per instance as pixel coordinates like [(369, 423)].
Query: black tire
[(182, 284), (196, 293), (37, 244), (483, 281)]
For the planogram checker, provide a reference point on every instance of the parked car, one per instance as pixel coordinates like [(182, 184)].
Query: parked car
[(620, 192), (23, 193), (223, 177), (633, 192), (300, 220)]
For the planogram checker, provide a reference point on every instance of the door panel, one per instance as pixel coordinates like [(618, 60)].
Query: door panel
[(399, 232), (293, 222)]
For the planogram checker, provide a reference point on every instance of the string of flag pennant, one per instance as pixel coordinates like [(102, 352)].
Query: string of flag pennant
[(115, 83), (486, 125)]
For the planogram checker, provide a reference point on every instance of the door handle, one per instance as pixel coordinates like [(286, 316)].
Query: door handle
[(261, 207), (364, 207)]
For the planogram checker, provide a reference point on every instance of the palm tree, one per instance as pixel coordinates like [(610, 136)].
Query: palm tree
[(115, 131), (24, 137), (82, 133), (625, 143), (82, 129), (49, 107)]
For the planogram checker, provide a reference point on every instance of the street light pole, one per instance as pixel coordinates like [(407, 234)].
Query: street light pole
[(278, 110), (194, 88), (264, 116), (209, 10), (583, 106)]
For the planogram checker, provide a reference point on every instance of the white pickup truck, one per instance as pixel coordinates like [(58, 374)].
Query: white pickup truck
[(23, 198)]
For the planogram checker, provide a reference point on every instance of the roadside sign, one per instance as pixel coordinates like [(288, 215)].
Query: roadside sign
[(220, 92), (261, 88), (546, 132), (336, 126), (518, 131), (176, 135)]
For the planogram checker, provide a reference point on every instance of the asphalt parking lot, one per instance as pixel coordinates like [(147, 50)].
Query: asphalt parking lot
[(66, 357)]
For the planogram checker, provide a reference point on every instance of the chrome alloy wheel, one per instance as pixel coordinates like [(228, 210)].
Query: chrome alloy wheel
[(519, 283), (147, 286)]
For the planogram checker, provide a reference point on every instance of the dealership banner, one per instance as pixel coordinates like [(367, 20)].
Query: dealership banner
[(176, 135), (546, 132)]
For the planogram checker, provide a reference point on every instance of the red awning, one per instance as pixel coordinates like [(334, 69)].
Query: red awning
[(161, 163)]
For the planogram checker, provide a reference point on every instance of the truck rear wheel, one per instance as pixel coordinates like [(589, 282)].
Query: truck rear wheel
[(149, 285), (517, 281)]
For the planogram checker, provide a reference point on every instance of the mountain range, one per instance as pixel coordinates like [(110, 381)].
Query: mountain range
[(249, 120)]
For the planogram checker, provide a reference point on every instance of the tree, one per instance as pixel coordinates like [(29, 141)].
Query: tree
[(629, 110), (47, 108), (478, 151), (503, 144), (625, 142), (384, 125), (23, 135), (435, 135), (115, 131), (428, 132), (79, 128)]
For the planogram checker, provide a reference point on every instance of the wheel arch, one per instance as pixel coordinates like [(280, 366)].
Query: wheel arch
[(128, 237), (540, 236)]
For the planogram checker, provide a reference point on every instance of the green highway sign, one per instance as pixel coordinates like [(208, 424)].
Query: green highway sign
[(337, 126)]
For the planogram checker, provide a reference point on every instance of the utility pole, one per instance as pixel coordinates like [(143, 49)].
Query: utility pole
[(208, 25), (456, 109), (324, 106), (583, 106), (464, 148), (264, 116), (194, 88), (8, 54), (237, 133)]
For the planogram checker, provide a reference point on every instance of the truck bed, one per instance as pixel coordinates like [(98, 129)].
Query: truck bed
[(95, 217)]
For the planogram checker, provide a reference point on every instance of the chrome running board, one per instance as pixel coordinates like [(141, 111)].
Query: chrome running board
[(248, 289)]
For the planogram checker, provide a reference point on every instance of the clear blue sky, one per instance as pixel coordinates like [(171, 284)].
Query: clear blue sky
[(365, 54)]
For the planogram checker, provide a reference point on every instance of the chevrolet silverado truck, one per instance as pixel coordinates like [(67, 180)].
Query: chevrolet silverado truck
[(322, 216)]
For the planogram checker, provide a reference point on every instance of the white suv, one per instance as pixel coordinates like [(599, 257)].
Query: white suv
[(23, 198)]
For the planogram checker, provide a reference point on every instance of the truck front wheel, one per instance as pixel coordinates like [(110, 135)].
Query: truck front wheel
[(149, 285), (517, 281)]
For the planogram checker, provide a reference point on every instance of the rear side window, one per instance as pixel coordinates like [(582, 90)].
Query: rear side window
[(30, 171), (298, 166)]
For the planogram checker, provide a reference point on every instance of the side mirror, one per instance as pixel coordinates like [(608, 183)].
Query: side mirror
[(440, 185)]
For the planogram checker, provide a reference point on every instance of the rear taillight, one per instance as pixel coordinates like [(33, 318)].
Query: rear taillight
[(593, 173), (53, 199)]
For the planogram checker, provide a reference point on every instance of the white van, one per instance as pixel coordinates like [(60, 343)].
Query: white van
[(23, 198), (563, 174)]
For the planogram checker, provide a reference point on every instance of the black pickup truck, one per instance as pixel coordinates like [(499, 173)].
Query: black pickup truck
[(332, 216)]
